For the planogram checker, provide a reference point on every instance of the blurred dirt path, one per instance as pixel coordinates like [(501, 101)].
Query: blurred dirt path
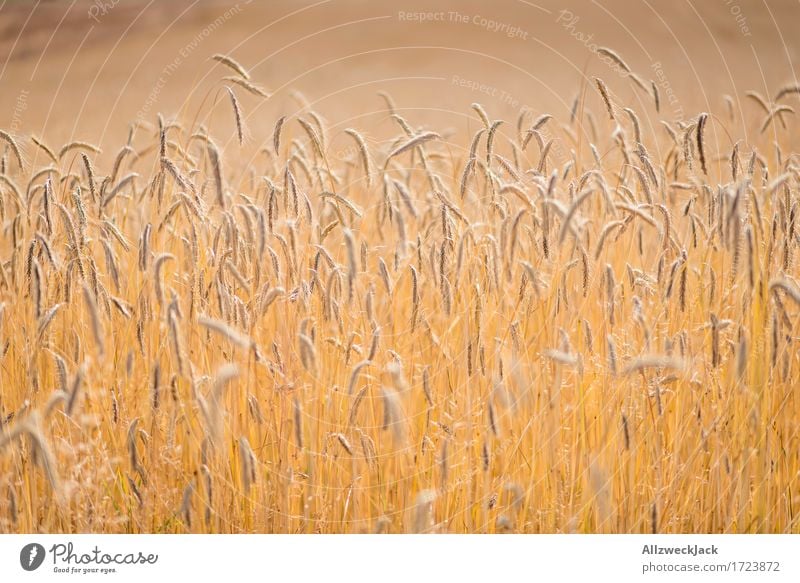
[(75, 69)]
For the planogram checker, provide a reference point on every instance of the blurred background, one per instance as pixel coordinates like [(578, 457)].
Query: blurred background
[(75, 69)]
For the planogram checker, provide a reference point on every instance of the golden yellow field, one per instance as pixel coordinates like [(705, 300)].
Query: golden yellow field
[(470, 308)]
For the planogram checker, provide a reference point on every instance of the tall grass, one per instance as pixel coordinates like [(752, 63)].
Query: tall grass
[(483, 333)]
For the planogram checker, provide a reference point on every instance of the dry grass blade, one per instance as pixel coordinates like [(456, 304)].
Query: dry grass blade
[(8, 138), (77, 146), (790, 288), (364, 151), (658, 361), (614, 57), (251, 88), (240, 339), (237, 114), (413, 142), (601, 87), (231, 64)]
